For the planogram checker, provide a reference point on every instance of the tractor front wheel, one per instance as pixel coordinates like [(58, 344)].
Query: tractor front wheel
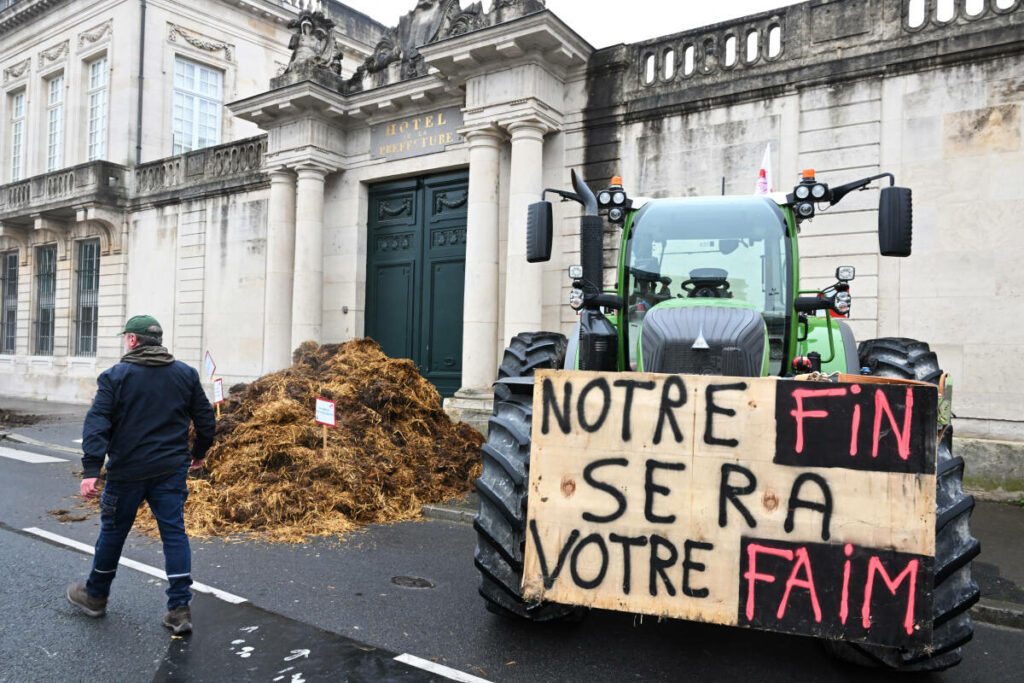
[(503, 486), (955, 547)]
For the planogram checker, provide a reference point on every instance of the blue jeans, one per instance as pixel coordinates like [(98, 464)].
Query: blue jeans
[(119, 504)]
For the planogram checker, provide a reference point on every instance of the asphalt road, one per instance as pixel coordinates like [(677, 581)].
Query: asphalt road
[(353, 606)]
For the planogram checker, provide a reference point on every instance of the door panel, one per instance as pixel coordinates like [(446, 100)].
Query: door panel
[(416, 251), (395, 295)]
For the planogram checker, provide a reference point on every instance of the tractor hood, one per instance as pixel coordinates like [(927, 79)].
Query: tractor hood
[(684, 336)]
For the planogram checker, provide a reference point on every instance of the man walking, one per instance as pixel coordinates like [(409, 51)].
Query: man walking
[(139, 420)]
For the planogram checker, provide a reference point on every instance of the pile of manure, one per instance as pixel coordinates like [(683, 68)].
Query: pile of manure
[(393, 450)]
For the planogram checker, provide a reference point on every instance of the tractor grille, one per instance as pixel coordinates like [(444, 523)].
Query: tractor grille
[(704, 340)]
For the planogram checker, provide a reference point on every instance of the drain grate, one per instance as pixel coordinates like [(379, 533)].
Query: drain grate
[(411, 582)]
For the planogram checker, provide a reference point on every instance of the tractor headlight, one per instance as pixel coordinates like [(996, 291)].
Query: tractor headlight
[(618, 198), (818, 191), (842, 303), (845, 273), (604, 198), (805, 209), (575, 272), (802, 192), (576, 299), (615, 214)]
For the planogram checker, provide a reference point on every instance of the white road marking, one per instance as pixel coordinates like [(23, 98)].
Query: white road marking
[(439, 669), (132, 564), (25, 456), (21, 438)]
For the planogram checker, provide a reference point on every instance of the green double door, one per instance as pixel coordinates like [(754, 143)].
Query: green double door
[(415, 273)]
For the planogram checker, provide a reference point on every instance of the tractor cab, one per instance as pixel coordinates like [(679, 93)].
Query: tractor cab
[(706, 265)]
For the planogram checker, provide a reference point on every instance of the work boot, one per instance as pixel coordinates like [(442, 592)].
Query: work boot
[(93, 606), (179, 620)]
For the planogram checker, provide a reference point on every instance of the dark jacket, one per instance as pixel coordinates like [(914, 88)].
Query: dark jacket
[(140, 417)]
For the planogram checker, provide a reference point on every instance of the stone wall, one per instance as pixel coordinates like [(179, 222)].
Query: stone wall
[(852, 89)]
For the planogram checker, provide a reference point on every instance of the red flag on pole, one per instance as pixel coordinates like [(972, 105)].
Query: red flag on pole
[(764, 176)]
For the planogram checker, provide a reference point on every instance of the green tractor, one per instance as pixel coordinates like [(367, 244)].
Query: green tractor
[(711, 286)]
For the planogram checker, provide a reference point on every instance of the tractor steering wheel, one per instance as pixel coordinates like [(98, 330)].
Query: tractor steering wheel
[(707, 283)]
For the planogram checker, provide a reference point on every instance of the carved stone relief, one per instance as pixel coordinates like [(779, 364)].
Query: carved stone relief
[(16, 71), (95, 34), (56, 53), (397, 57), (313, 43), (199, 41)]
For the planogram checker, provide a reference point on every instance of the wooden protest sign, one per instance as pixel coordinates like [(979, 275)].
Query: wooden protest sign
[(804, 507)]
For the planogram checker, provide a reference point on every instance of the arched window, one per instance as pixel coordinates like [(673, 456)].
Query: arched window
[(668, 67), (753, 44), (649, 69), (1005, 4), (974, 7)]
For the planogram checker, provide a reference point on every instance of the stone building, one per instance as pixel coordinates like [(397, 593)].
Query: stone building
[(373, 181)]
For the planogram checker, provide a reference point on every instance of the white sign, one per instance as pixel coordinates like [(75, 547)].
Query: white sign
[(211, 367), (218, 390), (325, 412)]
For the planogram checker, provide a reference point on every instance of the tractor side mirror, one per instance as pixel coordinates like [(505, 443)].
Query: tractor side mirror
[(895, 221), (538, 232)]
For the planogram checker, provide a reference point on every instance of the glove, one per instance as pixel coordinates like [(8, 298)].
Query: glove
[(196, 465), (88, 488)]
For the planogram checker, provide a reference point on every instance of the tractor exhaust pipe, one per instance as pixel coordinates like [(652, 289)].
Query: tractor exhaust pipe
[(591, 238)]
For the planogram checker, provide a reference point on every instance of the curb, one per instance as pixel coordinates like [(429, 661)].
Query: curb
[(448, 514), (29, 441), (998, 613)]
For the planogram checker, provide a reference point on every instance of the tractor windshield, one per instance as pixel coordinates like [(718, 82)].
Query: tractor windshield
[(709, 248)]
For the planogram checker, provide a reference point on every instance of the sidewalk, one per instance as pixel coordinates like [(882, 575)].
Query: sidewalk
[(999, 570)]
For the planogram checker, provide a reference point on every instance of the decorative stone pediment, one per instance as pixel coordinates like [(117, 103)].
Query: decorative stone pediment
[(397, 56)]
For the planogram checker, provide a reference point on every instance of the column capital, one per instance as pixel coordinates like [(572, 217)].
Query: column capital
[(309, 170), (488, 135), (280, 174), (527, 128)]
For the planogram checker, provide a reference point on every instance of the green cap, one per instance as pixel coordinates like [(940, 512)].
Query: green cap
[(143, 324)]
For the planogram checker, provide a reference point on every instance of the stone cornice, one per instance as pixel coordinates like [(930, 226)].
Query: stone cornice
[(311, 98), (24, 12), (539, 37)]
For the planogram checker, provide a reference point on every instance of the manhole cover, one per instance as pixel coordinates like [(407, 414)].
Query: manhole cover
[(411, 582)]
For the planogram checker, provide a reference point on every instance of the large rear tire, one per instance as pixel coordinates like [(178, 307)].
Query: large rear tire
[(503, 486), (954, 591)]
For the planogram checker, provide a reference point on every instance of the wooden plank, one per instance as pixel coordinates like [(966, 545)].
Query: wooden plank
[(652, 493)]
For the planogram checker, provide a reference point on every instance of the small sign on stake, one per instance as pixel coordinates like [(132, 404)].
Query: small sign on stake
[(209, 365), (325, 416), (218, 394)]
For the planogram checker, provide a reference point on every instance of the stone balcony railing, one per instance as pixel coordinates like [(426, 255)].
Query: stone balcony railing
[(774, 47), (95, 182), (232, 163)]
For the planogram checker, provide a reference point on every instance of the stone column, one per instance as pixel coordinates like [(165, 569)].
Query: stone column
[(523, 281), (277, 306), (308, 276), (480, 308), (473, 402)]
